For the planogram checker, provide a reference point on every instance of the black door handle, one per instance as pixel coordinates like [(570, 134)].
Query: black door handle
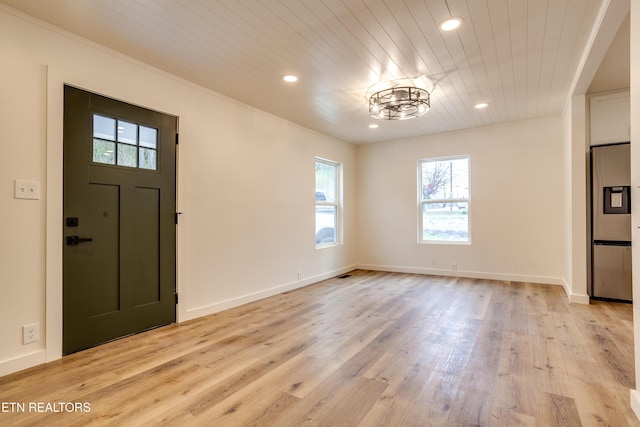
[(75, 240)]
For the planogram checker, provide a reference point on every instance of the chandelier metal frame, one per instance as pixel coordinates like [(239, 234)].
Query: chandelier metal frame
[(399, 103)]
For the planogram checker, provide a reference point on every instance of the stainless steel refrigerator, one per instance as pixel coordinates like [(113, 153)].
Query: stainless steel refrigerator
[(611, 222)]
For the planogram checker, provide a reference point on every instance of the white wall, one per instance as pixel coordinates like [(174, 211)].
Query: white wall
[(245, 185), (575, 149), (516, 213)]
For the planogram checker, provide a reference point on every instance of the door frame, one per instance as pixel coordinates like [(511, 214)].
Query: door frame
[(54, 227)]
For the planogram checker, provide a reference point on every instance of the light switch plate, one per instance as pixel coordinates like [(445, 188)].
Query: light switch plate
[(27, 190)]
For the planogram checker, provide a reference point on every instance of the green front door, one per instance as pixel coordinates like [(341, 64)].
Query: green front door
[(119, 219)]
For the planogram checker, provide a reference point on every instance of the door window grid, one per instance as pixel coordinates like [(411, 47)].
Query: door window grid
[(121, 143), (444, 198), (327, 202)]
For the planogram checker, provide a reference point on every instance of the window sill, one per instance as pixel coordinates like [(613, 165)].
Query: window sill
[(328, 245), (444, 242)]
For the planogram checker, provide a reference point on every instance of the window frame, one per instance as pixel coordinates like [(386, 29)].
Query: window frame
[(422, 202), (337, 204)]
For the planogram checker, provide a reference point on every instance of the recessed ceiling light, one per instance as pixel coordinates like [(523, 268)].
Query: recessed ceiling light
[(290, 78), (450, 24), (481, 105), (373, 126)]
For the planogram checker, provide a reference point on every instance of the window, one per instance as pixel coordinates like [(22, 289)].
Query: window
[(327, 203), (121, 143), (444, 200)]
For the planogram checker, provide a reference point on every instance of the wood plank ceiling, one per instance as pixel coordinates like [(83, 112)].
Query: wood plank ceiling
[(520, 56)]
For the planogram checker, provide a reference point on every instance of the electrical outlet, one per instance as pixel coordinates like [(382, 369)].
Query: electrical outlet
[(299, 275), (454, 266), (30, 333)]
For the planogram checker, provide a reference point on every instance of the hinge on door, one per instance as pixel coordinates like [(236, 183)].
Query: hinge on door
[(176, 294), (178, 214), (177, 139)]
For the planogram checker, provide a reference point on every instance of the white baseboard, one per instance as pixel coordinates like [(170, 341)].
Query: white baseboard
[(463, 273), (544, 280), (245, 299), (575, 298), (25, 361), (579, 299), (635, 402)]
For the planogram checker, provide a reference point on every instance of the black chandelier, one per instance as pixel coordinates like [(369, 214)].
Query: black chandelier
[(399, 103)]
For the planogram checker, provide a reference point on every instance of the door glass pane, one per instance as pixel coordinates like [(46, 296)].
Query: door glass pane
[(148, 137), (104, 127), (147, 158), (104, 152), (127, 133), (127, 155), (128, 136), (446, 222), (326, 224)]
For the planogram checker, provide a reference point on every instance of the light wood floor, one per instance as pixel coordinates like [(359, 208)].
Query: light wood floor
[(373, 349)]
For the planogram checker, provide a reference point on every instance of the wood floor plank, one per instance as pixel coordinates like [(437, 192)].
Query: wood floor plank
[(505, 417), (341, 400), (371, 349), (481, 373), (565, 412)]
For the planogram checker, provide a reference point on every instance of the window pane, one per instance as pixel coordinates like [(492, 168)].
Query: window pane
[(125, 151), (104, 128), (147, 158), (148, 137), (445, 179), (127, 155), (326, 219), (448, 222), (104, 152), (326, 182), (127, 133)]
